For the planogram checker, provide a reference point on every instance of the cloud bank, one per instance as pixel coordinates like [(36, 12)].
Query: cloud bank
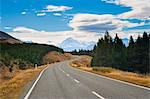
[(140, 9), (99, 23)]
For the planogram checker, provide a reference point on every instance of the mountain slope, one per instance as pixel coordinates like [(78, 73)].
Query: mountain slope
[(6, 38)]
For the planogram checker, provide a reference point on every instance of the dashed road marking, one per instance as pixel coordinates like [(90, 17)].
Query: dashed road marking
[(96, 94), (99, 96), (62, 70), (116, 80), (76, 80), (67, 74)]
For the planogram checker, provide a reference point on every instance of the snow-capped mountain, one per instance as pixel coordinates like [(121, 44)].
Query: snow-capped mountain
[(71, 44)]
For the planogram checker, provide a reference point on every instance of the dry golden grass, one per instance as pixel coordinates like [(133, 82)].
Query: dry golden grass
[(54, 56), (139, 79), (11, 88), (84, 61)]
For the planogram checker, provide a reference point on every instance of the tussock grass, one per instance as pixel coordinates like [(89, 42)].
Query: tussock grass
[(54, 56), (135, 78), (143, 80), (12, 88), (83, 62)]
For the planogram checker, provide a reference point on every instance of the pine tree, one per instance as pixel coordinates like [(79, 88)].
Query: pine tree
[(131, 41), (135, 57), (131, 55), (119, 54), (138, 54)]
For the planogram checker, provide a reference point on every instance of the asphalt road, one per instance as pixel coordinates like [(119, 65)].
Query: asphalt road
[(61, 81)]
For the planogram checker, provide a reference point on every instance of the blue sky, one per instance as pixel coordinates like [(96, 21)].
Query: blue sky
[(12, 9), (79, 19)]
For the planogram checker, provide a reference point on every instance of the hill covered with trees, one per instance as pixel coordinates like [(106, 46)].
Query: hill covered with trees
[(24, 55), (113, 53)]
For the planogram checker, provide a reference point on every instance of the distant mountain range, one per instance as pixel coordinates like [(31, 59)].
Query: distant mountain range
[(68, 44), (6, 38), (71, 44)]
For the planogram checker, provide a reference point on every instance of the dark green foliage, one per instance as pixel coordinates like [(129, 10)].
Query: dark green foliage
[(113, 53), (82, 52), (25, 54), (138, 54)]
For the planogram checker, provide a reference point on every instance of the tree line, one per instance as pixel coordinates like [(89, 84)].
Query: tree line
[(24, 55), (113, 53), (82, 52)]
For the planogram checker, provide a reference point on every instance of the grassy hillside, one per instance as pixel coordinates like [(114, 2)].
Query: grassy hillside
[(25, 54), (54, 56)]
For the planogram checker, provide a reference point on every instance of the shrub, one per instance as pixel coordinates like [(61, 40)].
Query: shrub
[(103, 69)]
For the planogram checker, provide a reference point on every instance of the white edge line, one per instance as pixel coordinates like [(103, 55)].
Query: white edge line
[(98, 95), (31, 89), (76, 80), (113, 79)]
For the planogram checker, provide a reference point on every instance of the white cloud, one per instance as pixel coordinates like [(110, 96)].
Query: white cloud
[(24, 30), (99, 23), (55, 38), (53, 8), (57, 14), (23, 13), (41, 14), (126, 34), (140, 9), (86, 27)]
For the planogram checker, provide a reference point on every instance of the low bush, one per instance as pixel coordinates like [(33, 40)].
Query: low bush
[(103, 69)]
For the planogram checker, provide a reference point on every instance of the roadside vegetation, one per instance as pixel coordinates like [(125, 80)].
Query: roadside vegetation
[(82, 52), (25, 54), (109, 52), (21, 63), (84, 64), (54, 56), (113, 53), (111, 58), (12, 84)]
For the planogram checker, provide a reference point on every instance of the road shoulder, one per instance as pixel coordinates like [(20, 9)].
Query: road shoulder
[(117, 75)]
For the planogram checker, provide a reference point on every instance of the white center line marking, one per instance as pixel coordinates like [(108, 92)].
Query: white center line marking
[(67, 74), (127, 83), (76, 80), (60, 69), (98, 95)]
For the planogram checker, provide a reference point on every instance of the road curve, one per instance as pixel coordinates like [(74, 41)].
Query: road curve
[(61, 81)]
